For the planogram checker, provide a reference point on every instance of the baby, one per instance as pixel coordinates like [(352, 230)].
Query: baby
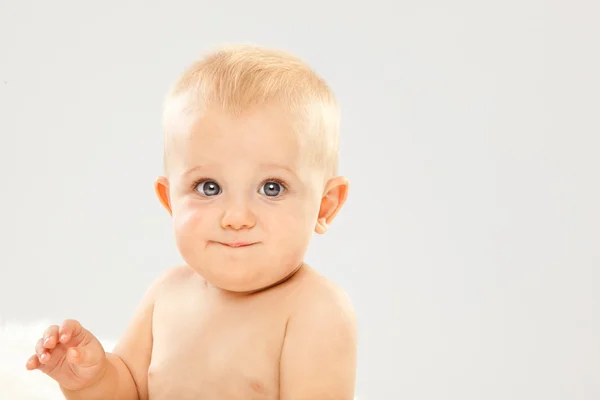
[(251, 143)]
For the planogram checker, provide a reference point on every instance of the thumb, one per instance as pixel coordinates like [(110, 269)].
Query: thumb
[(87, 356)]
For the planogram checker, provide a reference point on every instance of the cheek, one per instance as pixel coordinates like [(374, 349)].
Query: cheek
[(187, 219), (292, 223), (190, 225)]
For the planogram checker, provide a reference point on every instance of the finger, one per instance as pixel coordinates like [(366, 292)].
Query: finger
[(33, 363), (41, 352), (51, 337), (39, 347), (68, 330)]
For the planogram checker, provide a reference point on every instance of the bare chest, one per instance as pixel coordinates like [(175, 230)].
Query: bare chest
[(210, 351)]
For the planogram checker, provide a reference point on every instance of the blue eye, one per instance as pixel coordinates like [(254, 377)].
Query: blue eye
[(272, 189), (208, 188)]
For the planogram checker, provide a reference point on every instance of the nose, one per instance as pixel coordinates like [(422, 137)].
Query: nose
[(238, 216)]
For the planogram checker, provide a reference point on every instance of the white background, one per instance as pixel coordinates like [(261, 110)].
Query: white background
[(470, 242)]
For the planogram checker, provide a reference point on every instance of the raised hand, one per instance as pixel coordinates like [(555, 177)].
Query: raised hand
[(70, 355)]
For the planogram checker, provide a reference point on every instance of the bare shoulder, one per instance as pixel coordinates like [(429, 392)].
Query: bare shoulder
[(171, 279), (144, 312), (141, 321), (320, 347), (318, 297), (174, 275)]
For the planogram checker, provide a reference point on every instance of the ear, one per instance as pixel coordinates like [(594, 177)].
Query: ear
[(334, 197), (161, 187)]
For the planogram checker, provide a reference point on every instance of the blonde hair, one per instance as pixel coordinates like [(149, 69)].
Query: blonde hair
[(237, 78)]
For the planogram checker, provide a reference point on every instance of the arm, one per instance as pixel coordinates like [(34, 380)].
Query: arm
[(126, 375), (318, 360)]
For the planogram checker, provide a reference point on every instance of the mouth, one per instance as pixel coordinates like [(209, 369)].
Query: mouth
[(237, 245)]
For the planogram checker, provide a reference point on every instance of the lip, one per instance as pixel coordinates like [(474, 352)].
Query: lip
[(237, 245)]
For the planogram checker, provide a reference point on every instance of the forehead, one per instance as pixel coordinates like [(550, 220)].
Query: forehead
[(264, 135)]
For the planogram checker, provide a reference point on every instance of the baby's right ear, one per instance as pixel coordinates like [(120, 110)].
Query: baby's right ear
[(161, 187)]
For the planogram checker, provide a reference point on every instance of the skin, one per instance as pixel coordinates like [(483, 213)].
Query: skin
[(245, 318)]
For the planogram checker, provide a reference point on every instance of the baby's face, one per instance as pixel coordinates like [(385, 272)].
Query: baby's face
[(243, 199)]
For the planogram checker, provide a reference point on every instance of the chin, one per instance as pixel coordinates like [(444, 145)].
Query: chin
[(240, 278)]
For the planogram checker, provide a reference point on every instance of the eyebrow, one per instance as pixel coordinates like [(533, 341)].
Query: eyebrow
[(193, 170), (286, 168), (197, 168), (277, 166)]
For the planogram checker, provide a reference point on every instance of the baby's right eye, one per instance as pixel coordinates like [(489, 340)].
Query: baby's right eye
[(208, 188)]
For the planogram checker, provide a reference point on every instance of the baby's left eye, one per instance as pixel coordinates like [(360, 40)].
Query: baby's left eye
[(272, 189)]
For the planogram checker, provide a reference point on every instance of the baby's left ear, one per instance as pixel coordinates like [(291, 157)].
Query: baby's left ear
[(333, 199)]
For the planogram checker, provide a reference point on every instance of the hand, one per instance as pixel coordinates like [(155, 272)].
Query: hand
[(70, 355)]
